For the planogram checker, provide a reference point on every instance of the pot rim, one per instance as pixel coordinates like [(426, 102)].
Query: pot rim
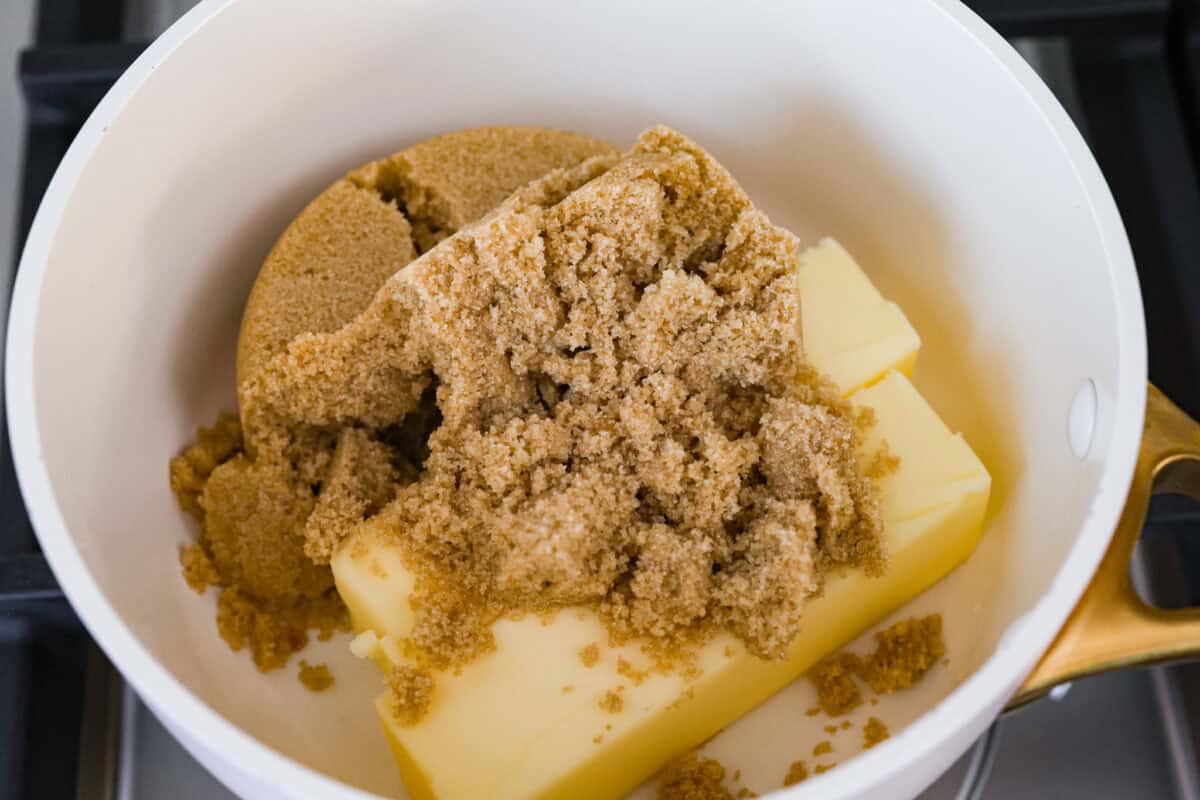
[(980, 696)]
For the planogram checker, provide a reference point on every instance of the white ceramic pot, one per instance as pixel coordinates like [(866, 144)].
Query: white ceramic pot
[(907, 129)]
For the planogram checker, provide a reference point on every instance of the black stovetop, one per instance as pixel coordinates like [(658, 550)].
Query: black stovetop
[(1136, 69)]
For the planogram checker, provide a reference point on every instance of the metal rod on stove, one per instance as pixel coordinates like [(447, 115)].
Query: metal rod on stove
[(100, 733)]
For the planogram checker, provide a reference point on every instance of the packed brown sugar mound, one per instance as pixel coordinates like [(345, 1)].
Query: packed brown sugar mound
[(271, 508), (627, 420)]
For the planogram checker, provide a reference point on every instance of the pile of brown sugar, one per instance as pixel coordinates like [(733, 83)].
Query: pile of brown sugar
[(266, 508), (627, 419), (595, 395)]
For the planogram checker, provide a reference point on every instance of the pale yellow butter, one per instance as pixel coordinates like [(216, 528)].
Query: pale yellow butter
[(850, 331)]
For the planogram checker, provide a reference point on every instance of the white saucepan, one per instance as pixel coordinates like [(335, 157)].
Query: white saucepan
[(907, 129)]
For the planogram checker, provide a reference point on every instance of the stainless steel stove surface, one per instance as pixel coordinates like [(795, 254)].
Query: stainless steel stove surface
[(1127, 70)]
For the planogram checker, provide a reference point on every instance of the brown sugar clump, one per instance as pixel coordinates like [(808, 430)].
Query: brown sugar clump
[(692, 778), (612, 702), (629, 671), (884, 463), (589, 655), (822, 748), (903, 654), (874, 732), (363, 477), (627, 418), (274, 632), (316, 678), (299, 488), (821, 768), (198, 569), (267, 604), (254, 516), (449, 181), (190, 469), (412, 693), (837, 693), (797, 772)]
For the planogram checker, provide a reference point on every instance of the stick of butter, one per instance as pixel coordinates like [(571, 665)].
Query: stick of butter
[(851, 333), (533, 720)]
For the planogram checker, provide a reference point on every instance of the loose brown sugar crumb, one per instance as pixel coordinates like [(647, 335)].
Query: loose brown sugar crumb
[(568, 689), (812, 712), (274, 632), (693, 778), (831, 729), (822, 748), (589, 655), (630, 672), (627, 419), (883, 464), (837, 693), (268, 604), (316, 678), (612, 701), (198, 569), (190, 469), (903, 654), (846, 724), (797, 772), (874, 732), (744, 793), (820, 768), (412, 693)]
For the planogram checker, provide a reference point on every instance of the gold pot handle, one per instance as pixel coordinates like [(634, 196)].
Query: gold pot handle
[(1112, 627)]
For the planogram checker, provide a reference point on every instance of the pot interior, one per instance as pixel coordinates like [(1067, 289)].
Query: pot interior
[(887, 126)]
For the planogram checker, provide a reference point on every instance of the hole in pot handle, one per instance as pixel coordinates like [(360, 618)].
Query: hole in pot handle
[(1111, 626)]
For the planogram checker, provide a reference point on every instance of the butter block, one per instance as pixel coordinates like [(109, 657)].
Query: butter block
[(850, 331), (526, 720)]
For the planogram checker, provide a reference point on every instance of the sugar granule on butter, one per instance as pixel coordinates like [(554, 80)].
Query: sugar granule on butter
[(411, 693)]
